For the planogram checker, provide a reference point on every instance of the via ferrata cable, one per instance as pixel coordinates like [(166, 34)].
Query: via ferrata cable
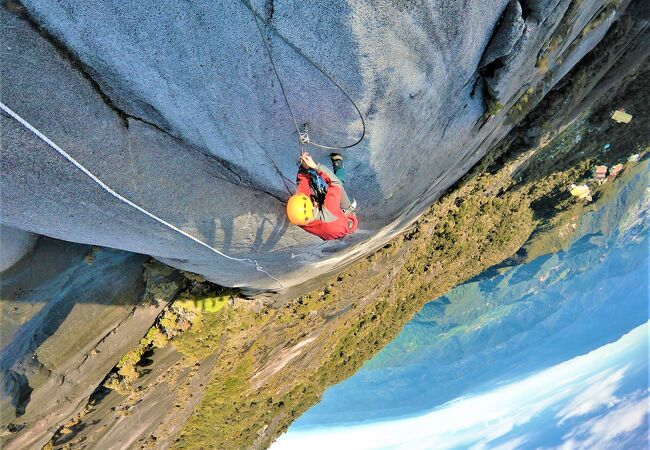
[(303, 136), (105, 187)]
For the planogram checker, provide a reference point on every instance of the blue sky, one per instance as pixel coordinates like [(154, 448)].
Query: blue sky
[(495, 330), (598, 400)]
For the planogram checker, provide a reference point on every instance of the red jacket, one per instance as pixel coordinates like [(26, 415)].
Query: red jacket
[(330, 222)]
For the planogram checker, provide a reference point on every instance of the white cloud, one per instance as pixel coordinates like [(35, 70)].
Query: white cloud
[(606, 431), (599, 392), (480, 419)]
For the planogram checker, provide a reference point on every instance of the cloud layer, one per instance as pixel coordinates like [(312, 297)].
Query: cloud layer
[(572, 392)]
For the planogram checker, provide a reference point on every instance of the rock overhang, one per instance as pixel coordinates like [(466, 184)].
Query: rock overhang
[(177, 108)]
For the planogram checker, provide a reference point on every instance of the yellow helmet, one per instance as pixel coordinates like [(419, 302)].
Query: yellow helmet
[(300, 209)]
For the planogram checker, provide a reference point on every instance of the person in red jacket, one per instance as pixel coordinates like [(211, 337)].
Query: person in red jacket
[(332, 218)]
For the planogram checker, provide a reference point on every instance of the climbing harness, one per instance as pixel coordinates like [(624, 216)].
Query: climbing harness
[(45, 139), (303, 136)]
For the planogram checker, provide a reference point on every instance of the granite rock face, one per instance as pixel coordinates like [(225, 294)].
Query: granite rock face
[(14, 245), (507, 34), (176, 108), (69, 313)]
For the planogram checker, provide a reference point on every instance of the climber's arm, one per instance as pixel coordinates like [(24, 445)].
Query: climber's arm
[(334, 184), (302, 180)]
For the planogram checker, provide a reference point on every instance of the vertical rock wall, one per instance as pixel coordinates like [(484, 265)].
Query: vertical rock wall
[(175, 107)]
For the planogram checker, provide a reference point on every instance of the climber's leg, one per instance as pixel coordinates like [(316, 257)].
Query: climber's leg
[(345, 200), (339, 171), (337, 165)]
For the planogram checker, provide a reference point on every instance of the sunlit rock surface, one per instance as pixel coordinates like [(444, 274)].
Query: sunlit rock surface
[(175, 107)]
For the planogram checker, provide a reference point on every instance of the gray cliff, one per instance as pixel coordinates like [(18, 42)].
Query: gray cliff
[(175, 107)]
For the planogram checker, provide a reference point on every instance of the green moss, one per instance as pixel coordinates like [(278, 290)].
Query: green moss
[(598, 20), (128, 372), (198, 300), (203, 338), (131, 358), (168, 320), (155, 338), (542, 64), (522, 105), (493, 107)]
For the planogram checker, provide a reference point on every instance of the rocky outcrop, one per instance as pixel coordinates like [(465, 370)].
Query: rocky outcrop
[(508, 33), (175, 108), (15, 245), (70, 312)]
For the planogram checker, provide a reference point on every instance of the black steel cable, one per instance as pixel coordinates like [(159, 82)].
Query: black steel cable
[(284, 94)]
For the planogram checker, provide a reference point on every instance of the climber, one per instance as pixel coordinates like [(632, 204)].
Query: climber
[(328, 215)]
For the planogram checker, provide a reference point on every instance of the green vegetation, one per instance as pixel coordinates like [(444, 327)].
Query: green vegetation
[(542, 64), (210, 304), (199, 342), (559, 232), (596, 22), (269, 363), (521, 102), (493, 108), (260, 384), (160, 286), (173, 320), (560, 34), (557, 49), (196, 299)]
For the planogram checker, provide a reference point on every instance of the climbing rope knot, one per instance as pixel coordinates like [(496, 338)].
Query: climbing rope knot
[(303, 138)]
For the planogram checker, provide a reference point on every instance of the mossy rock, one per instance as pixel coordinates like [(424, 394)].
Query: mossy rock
[(156, 338), (128, 372)]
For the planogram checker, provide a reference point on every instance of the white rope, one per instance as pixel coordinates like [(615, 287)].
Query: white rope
[(45, 139)]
